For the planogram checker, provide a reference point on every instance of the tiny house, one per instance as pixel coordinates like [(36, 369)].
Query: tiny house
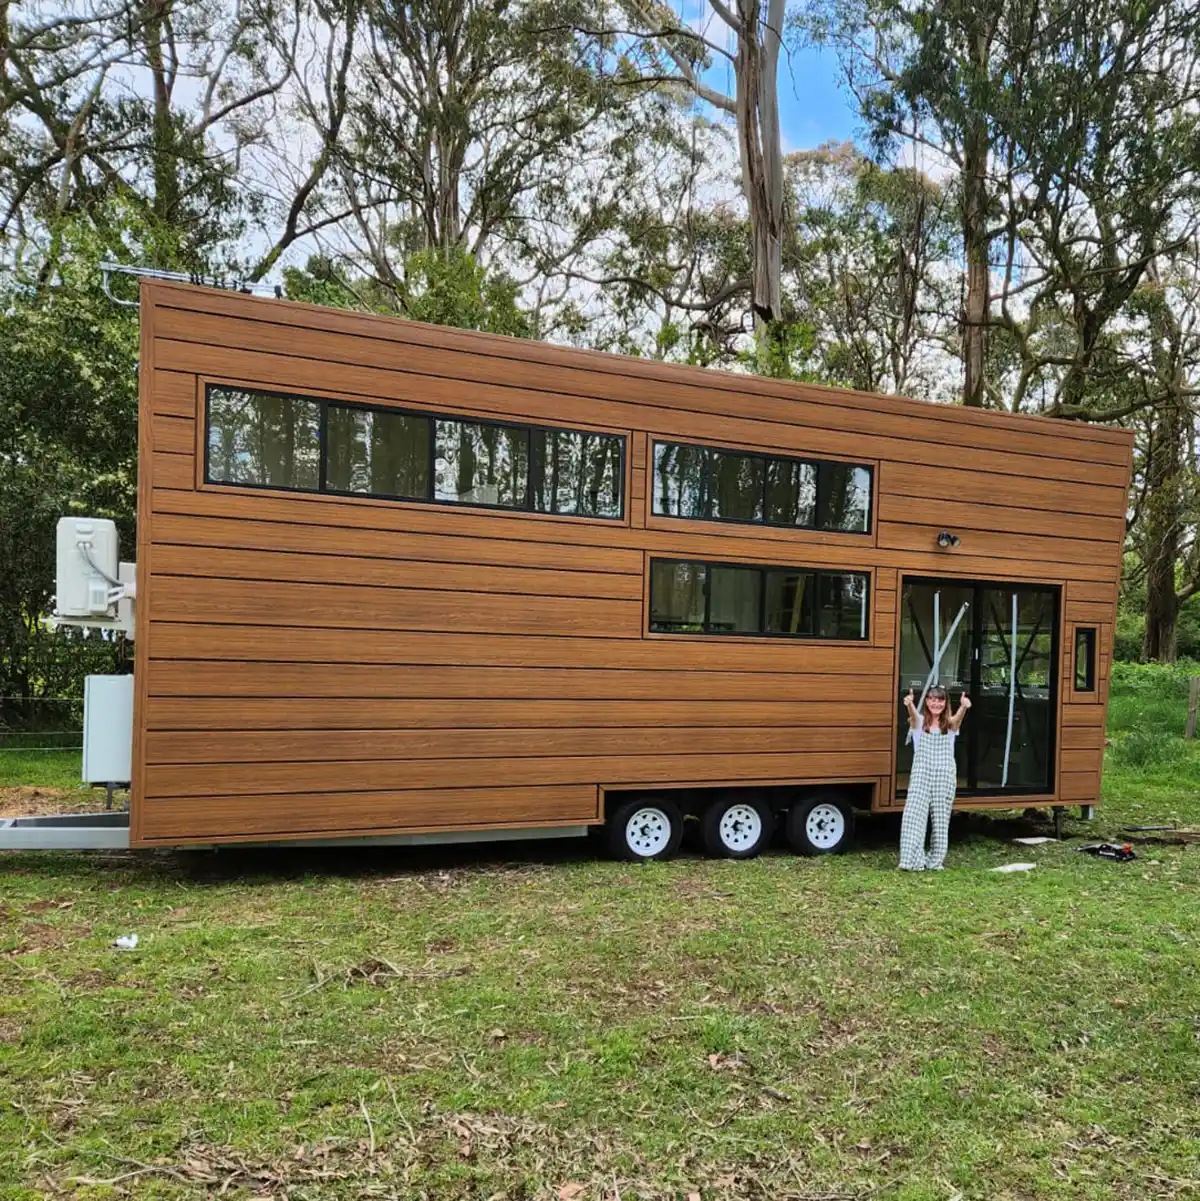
[(397, 581)]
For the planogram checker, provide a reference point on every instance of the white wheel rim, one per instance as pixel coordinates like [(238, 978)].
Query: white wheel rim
[(648, 831), (740, 827), (825, 826)]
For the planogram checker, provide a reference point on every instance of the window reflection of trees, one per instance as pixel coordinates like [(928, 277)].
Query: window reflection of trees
[(263, 438)]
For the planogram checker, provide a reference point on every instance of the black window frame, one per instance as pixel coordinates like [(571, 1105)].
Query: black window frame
[(761, 569), (1090, 635), (433, 417), (820, 502)]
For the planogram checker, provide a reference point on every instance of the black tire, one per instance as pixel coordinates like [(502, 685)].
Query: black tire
[(656, 837), (830, 830), (728, 826)]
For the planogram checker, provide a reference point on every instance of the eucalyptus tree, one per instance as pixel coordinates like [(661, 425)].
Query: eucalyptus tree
[(870, 269)]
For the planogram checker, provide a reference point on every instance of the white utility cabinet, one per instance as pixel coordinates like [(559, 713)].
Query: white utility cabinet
[(108, 729)]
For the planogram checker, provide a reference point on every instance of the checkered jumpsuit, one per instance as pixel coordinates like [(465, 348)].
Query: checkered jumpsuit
[(931, 788)]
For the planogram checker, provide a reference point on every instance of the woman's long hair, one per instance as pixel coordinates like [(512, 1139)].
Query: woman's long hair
[(943, 717)]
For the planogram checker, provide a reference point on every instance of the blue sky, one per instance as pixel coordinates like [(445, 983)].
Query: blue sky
[(813, 105)]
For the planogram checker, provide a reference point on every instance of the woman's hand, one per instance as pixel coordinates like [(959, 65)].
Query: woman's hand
[(964, 701)]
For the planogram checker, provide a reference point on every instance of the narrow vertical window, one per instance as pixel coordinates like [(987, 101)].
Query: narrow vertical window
[(680, 480), (1085, 659), (575, 473)]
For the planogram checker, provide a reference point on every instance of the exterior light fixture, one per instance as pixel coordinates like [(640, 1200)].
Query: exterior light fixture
[(946, 539)]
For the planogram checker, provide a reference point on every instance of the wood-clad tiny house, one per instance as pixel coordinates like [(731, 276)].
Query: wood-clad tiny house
[(396, 579)]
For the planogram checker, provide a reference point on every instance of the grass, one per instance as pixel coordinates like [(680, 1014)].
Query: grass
[(42, 768), (537, 1022)]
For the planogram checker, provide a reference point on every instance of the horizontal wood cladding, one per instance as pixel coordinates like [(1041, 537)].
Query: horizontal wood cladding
[(187, 640), (352, 606), (204, 562), (174, 470), (176, 435), (368, 775), (318, 665), (1081, 787), (201, 678), (350, 713), (1082, 738), (893, 536), (335, 813), (535, 365), (1083, 715), (353, 746), (977, 513), (978, 478), (312, 539), (680, 539), (174, 394)]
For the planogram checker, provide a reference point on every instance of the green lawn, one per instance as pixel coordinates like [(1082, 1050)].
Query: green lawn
[(540, 1023)]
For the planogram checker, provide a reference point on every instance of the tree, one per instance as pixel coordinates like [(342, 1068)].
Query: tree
[(674, 53), (1072, 133), (68, 444), (480, 128), (869, 268)]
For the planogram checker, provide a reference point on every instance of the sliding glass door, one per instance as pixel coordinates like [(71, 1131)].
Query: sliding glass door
[(999, 644)]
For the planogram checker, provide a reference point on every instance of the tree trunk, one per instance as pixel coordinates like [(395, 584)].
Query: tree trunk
[(166, 150), (975, 245), (1163, 523), (757, 112)]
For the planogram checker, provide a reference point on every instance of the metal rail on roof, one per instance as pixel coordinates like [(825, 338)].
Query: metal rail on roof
[(109, 269)]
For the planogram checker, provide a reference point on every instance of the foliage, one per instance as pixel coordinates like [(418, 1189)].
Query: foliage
[(442, 287), (68, 444)]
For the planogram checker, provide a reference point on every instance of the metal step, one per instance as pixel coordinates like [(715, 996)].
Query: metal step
[(66, 832)]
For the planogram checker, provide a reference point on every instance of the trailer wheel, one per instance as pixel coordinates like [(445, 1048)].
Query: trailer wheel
[(645, 828), (820, 824), (737, 826)]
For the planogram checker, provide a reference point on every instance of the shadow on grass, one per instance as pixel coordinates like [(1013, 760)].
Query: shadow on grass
[(268, 865)]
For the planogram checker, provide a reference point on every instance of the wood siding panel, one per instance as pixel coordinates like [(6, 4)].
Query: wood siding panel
[(678, 539), (317, 665), (352, 606), (348, 713), (204, 562), (185, 640), (174, 434), (334, 813), (1080, 787), (173, 394), (352, 746), (243, 534), (993, 518), (190, 678), (174, 470), (369, 775)]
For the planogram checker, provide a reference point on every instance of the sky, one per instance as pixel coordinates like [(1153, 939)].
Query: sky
[(814, 107)]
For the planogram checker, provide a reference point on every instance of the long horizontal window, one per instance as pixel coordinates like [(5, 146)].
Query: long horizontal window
[(689, 597), (731, 485), (268, 440)]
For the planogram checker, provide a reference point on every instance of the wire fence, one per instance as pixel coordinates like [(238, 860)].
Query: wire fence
[(41, 724)]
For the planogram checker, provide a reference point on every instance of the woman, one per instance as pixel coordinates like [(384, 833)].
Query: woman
[(932, 781)]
